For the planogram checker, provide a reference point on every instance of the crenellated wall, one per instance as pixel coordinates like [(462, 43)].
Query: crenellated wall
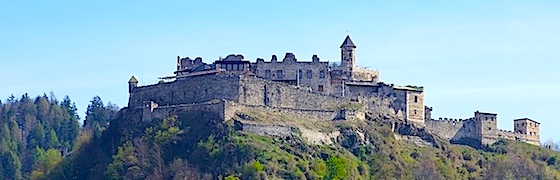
[(461, 131)]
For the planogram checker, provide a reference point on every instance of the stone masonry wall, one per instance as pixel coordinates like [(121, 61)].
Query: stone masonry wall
[(415, 107), (261, 92), (194, 89), (488, 127), (314, 74), (510, 135), (362, 74), (305, 114), (455, 130), (215, 108)]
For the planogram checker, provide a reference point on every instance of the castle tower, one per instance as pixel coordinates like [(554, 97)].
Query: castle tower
[(347, 55), (487, 126), (528, 127), (132, 83)]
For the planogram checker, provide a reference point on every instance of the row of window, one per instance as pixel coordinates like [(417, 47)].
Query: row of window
[(233, 67), (280, 74), (486, 118), (523, 124)]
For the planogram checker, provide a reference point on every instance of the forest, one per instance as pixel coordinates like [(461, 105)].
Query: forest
[(37, 133)]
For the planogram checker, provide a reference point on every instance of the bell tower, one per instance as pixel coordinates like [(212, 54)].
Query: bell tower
[(348, 58)]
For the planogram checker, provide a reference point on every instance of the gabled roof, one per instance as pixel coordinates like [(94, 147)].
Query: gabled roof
[(348, 43), (133, 80)]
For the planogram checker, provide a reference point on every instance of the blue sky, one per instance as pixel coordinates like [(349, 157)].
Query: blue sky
[(493, 56)]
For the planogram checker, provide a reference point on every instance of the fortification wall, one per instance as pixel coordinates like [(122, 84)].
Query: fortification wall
[(212, 109), (361, 90), (510, 135), (261, 92), (463, 131), (189, 90), (305, 114), (516, 136)]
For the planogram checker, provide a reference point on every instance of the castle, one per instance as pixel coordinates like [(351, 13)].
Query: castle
[(309, 90)]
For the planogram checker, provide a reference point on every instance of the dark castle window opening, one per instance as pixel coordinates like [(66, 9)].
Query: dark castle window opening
[(322, 74), (415, 99), (300, 74), (320, 89), (279, 74), (309, 74), (267, 74)]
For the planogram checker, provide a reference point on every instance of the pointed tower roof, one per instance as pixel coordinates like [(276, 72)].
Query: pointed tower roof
[(133, 80), (348, 43)]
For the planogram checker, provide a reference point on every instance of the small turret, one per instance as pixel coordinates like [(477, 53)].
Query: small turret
[(132, 83)]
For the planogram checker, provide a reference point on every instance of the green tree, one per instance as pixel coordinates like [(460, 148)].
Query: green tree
[(337, 168), (11, 165), (98, 116), (52, 141)]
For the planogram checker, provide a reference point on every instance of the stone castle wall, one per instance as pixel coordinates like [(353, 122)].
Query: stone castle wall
[(262, 92), (304, 114), (313, 74), (362, 74), (214, 109), (190, 90), (455, 130)]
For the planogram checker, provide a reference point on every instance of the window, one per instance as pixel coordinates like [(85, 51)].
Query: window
[(279, 74), (489, 128), (300, 74), (322, 74), (223, 66), (415, 99), (235, 67), (229, 67), (415, 112), (241, 67), (320, 88), (309, 74), (267, 74)]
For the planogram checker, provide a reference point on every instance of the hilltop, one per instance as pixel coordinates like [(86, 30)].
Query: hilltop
[(257, 145)]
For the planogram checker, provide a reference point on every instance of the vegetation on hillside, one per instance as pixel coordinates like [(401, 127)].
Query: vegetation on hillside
[(36, 133), (199, 146)]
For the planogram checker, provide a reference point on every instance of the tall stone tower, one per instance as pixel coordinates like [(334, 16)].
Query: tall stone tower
[(528, 127), (347, 55), (487, 126)]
